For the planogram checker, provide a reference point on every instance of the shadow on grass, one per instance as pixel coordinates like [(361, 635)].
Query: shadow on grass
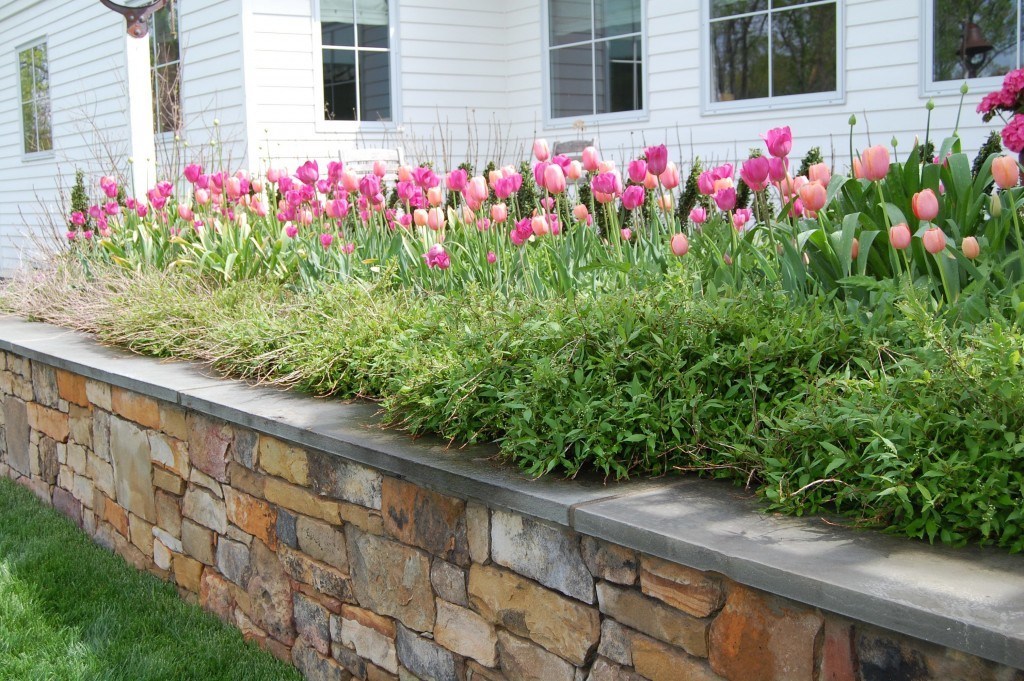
[(70, 610)]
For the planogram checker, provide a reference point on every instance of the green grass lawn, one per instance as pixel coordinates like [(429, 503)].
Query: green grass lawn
[(71, 610)]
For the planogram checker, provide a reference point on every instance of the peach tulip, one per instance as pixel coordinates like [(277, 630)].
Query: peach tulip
[(499, 212), (813, 195), (434, 196), (899, 236), (925, 205), (380, 168), (875, 162), (970, 247), (419, 217), (670, 177), (435, 218), (1005, 172), (934, 240), (819, 172), (680, 244), (541, 151), (591, 161), (540, 225), (580, 212)]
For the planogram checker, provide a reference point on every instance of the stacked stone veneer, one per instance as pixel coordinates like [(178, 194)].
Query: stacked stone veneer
[(348, 572)]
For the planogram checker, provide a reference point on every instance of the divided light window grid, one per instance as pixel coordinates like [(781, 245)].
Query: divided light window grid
[(166, 69), (765, 49), (355, 35), (990, 28), (34, 76), (595, 54)]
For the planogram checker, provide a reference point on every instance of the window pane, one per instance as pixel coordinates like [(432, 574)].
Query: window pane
[(572, 70), (28, 118), (619, 82), (990, 50), (616, 17), (739, 52), (41, 72), (44, 134), (337, 22), (569, 21), (804, 50), (340, 85), (25, 74), (728, 8), (375, 86), (372, 23), (165, 35), (167, 102)]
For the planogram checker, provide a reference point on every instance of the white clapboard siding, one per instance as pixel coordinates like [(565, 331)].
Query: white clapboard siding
[(85, 49)]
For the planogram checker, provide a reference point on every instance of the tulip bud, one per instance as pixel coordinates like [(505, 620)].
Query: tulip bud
[(899, 236), (964, 89), (970, 247), (930, 104), (853, 119), (995, 206), (680, 244), (854, 249)]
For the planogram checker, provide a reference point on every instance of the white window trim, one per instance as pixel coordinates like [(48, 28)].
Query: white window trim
[(321, 125), (834, 97), (931, 87), (29, 156), (551, 122)]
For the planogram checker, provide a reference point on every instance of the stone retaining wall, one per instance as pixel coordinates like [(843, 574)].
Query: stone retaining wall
[(350, 572)]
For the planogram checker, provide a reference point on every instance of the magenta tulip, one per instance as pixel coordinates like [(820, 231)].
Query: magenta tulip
[(779, 141)]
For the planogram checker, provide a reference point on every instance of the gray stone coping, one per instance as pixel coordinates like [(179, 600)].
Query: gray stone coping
[(970, 599)]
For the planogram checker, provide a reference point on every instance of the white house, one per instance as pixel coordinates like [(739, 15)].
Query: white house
[(238, 83)]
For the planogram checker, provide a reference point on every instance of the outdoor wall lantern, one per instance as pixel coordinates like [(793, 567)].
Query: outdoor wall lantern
[(974, 49), (136, 13)]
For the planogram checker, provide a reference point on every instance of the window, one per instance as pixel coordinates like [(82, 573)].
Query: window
[(773, 49), (357, 60), (166, 65), (595, 57), (34, 74), (971, 39)]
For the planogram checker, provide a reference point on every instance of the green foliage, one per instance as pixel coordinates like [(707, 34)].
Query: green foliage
[(80, 200), (993, 145), (691, 193), (813, 156)]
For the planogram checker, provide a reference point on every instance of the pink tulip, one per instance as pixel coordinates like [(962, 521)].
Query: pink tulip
[(699, 215), (185, 212), (109, 186), (78, 218), (483, 224), (657, 158), (670, 177), (1005, 172), (633, 197), (554, 179), (680, 244), (575, 171), (813, 195), (858, 169), (404, 173), (665, 202), (193, 171), (437, 257), (258, 207), (590, 159), (637, 170), (854, 249), (779, 141), (819, 172), (725, 199), (925, 205), (778, 169), (970, 247), (308, 173), (87, 234), (305, 216), (380, 168), (608, 183), (202, 196), (875, 162), (934, 240), (754, 172), (606, 166), (233, 187), (541, 151), (476, 189), (326, 240), (491, 257), (741, 217), (457, 179), (291, 230), (71, 235), (350, 181), (499, 212)]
